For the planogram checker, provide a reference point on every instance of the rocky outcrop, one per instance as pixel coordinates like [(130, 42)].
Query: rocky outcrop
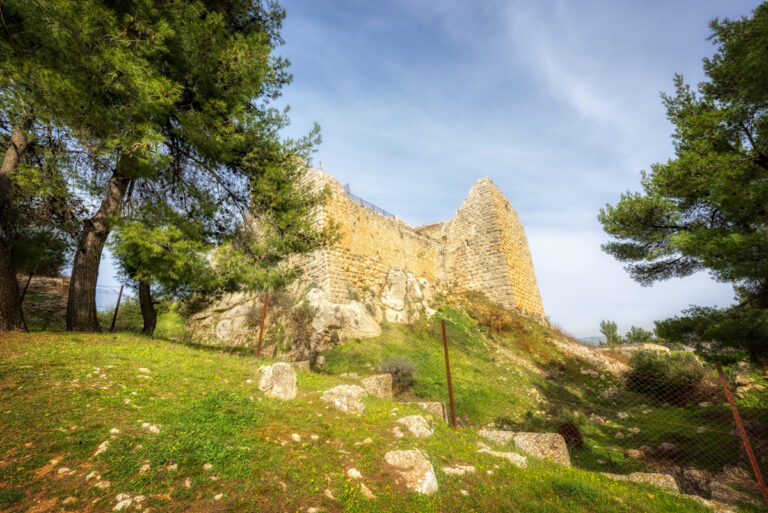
[(278, 381), (346, 398), (301, 321), (404, 298), (379, 385), (591, 356), (351, 320), (414, 470), (544, 446)]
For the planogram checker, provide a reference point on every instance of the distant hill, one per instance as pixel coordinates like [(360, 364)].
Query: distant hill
[(593, 341)]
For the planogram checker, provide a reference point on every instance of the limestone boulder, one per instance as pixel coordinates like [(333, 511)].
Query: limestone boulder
[(414, 470), (724, 493), (279, 381), (550, 446), (497, 436), (350, 320), (379, 385), (694, 482), (417, 426), (346, 398)]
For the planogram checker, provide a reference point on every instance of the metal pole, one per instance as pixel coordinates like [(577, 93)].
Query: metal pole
[(261, 330), (24, 292), (743, 434), (117, 306), (448, 373)]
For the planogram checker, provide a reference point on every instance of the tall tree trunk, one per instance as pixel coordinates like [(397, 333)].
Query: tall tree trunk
[(11, 315), (147, 308), (81, 306)]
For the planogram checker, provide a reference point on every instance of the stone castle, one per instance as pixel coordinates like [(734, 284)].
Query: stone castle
[(483, 248), (382, 269)]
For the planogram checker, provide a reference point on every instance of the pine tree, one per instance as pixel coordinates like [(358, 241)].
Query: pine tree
[(156, 88), (707, 208)]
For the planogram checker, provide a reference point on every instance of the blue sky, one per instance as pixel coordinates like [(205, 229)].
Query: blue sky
[(557, 102)]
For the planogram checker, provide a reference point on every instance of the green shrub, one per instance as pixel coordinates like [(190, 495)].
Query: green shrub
[(674, 378), (401, 370)]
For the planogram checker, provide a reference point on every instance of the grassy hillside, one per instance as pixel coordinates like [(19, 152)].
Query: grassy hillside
[(63, 395), (509, 371)]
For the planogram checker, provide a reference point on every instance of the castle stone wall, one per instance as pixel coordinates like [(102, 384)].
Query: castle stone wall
[(371, 244), (484, 248)]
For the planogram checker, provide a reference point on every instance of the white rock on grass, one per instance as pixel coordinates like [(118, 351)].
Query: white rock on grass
[(513, 458), (417, 426), (459, 470), (102, 448), (296, 437), (367, 492), (353, 473), (346, 398), (549, 446), (414, 470), (152, 428), (278, 381), (123, 501)]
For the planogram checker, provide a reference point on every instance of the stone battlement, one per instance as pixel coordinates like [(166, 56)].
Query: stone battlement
[(483, 248)]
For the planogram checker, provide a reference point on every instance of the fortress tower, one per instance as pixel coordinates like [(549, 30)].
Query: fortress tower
[(483, 248)]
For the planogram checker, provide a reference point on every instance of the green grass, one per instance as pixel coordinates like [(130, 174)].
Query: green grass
[(61, 394), (516, 373)]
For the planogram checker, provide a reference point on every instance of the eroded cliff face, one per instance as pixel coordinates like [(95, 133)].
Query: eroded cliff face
[(382, 269)]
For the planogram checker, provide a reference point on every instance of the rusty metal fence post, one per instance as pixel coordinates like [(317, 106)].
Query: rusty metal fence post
[(448, 374), (743, 433), (261, 329), (117, 306)]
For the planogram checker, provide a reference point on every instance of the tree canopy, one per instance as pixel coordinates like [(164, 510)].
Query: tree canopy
[(167, 102), (707, 207)]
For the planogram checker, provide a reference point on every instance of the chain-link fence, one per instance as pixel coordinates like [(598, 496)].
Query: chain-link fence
[(639, 417)]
